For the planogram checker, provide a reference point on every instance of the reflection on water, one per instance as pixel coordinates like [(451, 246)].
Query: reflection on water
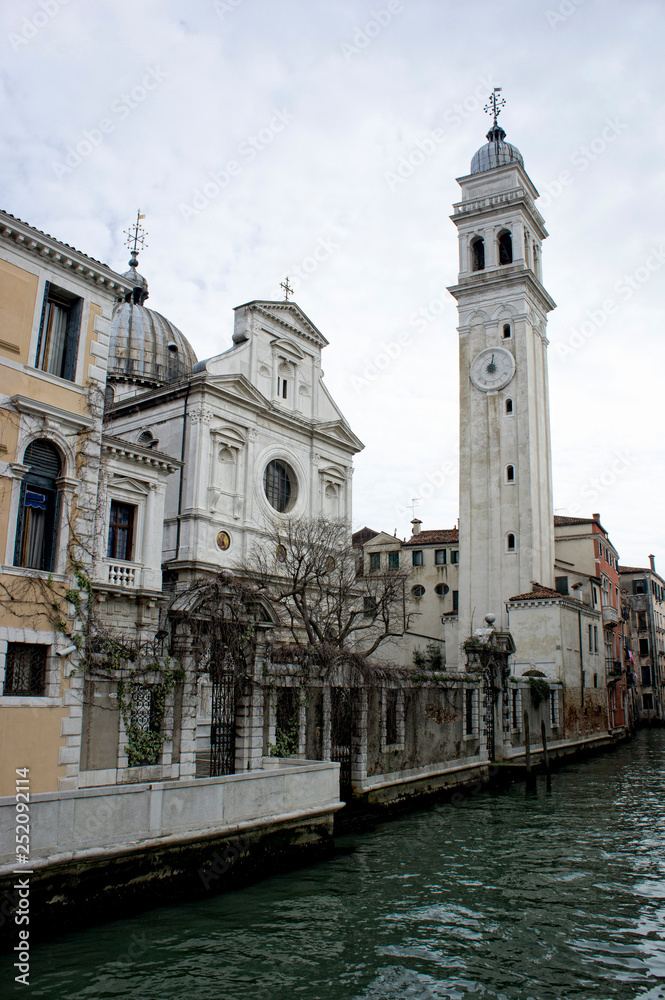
[(509, 896)]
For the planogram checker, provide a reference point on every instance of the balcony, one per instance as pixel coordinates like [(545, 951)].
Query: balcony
[(611, 616), (124, 574)]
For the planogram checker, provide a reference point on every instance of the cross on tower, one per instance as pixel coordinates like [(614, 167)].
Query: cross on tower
[(135, 241), (495, 104), (287, 288)]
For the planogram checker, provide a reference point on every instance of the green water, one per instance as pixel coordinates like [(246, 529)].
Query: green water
[(508, 896)]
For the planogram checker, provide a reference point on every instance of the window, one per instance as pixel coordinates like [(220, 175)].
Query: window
[(561, 584), (591, 638), (145, 718), (644, 647), (595, 638), (391, 717), (37, 521), (374, 562), (440, 557), (510, 542), (554, 708), (417, 557), (369, 607), (641, 619), (510, 473), (57, 346), (595, 680), (646, 675), (516, 713), (393, 560), (441, 589), (509, 405), (507, 332), (455, 600), (478, 254), (174, 369), (639, 587), (121, 531), (647, 702), (505, 248), (25, 669), (454, 556), (280, 485), (418, 591)]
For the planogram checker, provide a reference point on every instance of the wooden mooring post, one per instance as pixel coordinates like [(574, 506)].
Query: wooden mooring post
[(546, 756), (530, 777)]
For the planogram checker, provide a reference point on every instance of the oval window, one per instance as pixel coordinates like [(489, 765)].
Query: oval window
[(441, 589), (418, 591), (280, 485)]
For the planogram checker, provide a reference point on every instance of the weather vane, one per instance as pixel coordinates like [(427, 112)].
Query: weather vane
[(135, 241), (287, 288), (494, 105)]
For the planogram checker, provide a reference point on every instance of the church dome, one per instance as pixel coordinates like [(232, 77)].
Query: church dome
[(495, 152), (145, 348)]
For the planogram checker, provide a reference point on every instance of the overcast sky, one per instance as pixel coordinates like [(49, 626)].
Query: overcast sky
[(265, 138)]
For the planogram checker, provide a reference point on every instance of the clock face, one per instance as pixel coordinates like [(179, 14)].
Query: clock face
[(492, 369)]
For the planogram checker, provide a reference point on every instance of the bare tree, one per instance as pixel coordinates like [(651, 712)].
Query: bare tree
[(307, 568)]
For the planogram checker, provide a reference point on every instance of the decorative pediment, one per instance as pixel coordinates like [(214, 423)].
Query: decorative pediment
[(238, 385), (234, 437), (504, 311), (128, 485), (288, 349), (286, 316), (341, 431), (477, 318), (333, 472)]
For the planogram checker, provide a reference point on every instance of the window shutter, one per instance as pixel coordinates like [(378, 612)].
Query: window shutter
[(51, 540), (73, 334), (20, 520), (47, 286)]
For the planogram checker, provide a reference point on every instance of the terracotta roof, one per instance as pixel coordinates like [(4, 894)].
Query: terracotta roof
[(538, 593), (362, 535), (633, 569), (559, 519), (48, 235), (442, 535)]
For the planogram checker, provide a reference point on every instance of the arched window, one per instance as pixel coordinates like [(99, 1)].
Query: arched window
[(174, 366), (510, 473), (509, 405), (510, 542), (285, 374), (37, 521), (505, 248), (507, 332), (478, 254)]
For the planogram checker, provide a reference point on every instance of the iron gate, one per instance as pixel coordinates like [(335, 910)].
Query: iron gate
[(341, 731), (223, 724), (489, 693)]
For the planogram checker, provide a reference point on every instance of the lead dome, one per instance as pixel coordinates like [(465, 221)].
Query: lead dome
[(495, 152), (145, 348)]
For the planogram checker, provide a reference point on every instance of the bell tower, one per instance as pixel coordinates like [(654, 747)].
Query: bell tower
[(506, 515)]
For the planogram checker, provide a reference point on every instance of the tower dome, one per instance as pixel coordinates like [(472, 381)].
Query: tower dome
[(495, 152), (145, 349)]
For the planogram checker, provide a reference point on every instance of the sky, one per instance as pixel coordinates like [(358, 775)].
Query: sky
[(263, 139)]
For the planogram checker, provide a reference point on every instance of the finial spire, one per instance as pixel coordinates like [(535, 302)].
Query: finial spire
[(494, 107), (287, 288), (135, 241)]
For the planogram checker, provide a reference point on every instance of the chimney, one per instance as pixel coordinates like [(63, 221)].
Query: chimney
[(652, 563), (596, 517), (416, 526)]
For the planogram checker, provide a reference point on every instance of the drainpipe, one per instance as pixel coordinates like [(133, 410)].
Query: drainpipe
[(182, 470)]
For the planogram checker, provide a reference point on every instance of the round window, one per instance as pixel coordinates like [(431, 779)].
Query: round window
[(441, 589), (280, 485), (418, 591)]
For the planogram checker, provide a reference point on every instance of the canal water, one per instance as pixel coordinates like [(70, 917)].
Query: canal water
[(508, 896)]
